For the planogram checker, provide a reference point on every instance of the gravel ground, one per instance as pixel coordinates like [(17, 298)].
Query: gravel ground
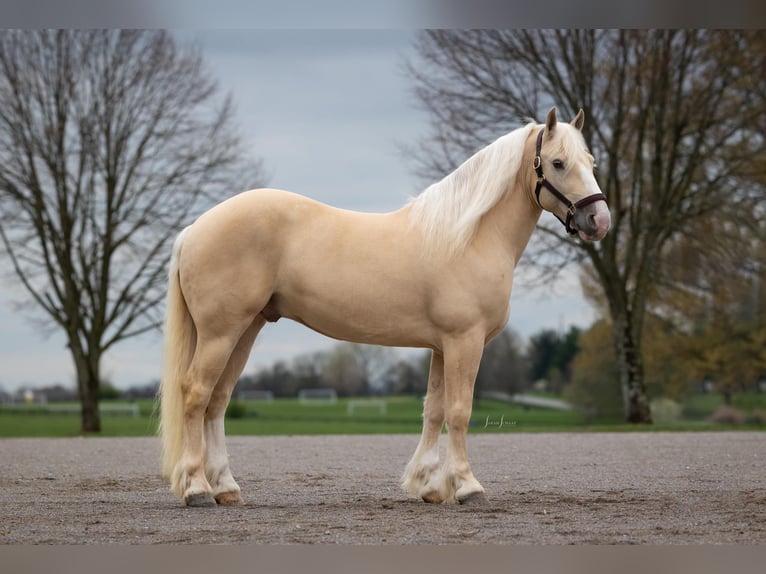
[(600, 488)]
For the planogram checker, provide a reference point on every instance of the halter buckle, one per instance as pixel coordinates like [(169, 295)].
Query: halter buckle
[(537, 163)]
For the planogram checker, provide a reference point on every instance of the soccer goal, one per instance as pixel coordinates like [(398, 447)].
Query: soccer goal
[(317, 397), (366, 406)]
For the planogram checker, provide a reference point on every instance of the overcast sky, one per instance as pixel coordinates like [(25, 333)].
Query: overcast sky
[(325, 110)]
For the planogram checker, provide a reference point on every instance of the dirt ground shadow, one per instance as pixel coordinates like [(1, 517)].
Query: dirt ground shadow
[(600, 488)]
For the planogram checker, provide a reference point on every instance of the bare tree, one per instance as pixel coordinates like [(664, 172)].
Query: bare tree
[(341, 371), (109, 142), (355, 369), (673, 120), (503, 365)]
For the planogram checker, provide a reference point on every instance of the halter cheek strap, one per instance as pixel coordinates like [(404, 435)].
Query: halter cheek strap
[(544, 183)]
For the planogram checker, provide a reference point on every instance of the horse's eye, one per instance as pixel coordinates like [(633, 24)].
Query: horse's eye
[(558, 164)]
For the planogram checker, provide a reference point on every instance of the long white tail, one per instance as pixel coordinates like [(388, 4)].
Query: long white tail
[(180, 339)]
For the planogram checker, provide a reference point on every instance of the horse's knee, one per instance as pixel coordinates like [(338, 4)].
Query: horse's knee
[(458, 421)]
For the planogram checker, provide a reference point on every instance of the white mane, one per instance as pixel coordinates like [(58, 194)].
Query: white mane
[(449, 211)]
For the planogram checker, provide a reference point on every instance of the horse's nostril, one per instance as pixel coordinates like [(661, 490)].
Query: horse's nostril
[(592, 220)]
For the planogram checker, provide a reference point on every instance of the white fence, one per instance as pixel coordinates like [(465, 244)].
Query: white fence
[(106, 409), (317, 397), (354, 406)]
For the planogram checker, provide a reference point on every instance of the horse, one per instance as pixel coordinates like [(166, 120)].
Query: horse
[(435, 274)]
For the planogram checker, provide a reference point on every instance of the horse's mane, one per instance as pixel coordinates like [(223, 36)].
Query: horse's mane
[(449, 212)]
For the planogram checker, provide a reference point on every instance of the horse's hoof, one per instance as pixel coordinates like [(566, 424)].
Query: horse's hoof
[(474, 499), (432, 497), (200, 500), (230, 499)]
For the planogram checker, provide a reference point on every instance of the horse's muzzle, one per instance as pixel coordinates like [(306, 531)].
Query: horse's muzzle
[(593, 221)]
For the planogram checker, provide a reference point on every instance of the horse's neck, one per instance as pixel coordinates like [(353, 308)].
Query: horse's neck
[(510, 223)]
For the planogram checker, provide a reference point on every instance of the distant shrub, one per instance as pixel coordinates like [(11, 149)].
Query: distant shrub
[(236, 410), (595, 388), (758, 417), (665, 411), (727, 415), (108, 391)]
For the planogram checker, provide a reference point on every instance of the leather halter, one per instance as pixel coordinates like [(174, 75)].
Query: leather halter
[(542, 182)]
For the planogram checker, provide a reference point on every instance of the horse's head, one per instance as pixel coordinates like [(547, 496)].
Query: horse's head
[(566, 185)]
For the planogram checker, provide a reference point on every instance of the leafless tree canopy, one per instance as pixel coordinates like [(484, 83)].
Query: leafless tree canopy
[(110, 142), (674, 118)]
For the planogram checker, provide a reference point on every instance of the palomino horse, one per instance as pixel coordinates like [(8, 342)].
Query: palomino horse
[(435, 274)]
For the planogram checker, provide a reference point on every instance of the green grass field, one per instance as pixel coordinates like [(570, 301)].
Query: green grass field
[(403, 415)]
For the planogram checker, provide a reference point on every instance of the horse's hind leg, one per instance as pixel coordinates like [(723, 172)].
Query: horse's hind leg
[(225, 489), (210, 359)]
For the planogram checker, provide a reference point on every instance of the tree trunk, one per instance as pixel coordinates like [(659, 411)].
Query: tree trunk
[(87, 367), (91, 418), (631, 369)]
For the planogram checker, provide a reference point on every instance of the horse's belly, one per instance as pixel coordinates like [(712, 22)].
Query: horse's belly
[(351, 314), (368, 332)]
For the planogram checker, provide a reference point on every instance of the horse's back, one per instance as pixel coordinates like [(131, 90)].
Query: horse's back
[(255, 207)]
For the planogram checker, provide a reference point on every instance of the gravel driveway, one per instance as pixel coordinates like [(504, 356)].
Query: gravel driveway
[(599, 488)]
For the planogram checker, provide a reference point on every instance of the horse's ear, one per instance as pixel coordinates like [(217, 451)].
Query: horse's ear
[(550, 119), (579, 120)]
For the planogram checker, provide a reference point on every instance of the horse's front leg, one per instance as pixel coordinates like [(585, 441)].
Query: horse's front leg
[(462, 356), (420, 473)]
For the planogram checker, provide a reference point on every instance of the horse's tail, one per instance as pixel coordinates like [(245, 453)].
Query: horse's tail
[(180, 339)]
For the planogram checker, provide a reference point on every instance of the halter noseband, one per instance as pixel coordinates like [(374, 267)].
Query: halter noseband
[(542, 182)]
